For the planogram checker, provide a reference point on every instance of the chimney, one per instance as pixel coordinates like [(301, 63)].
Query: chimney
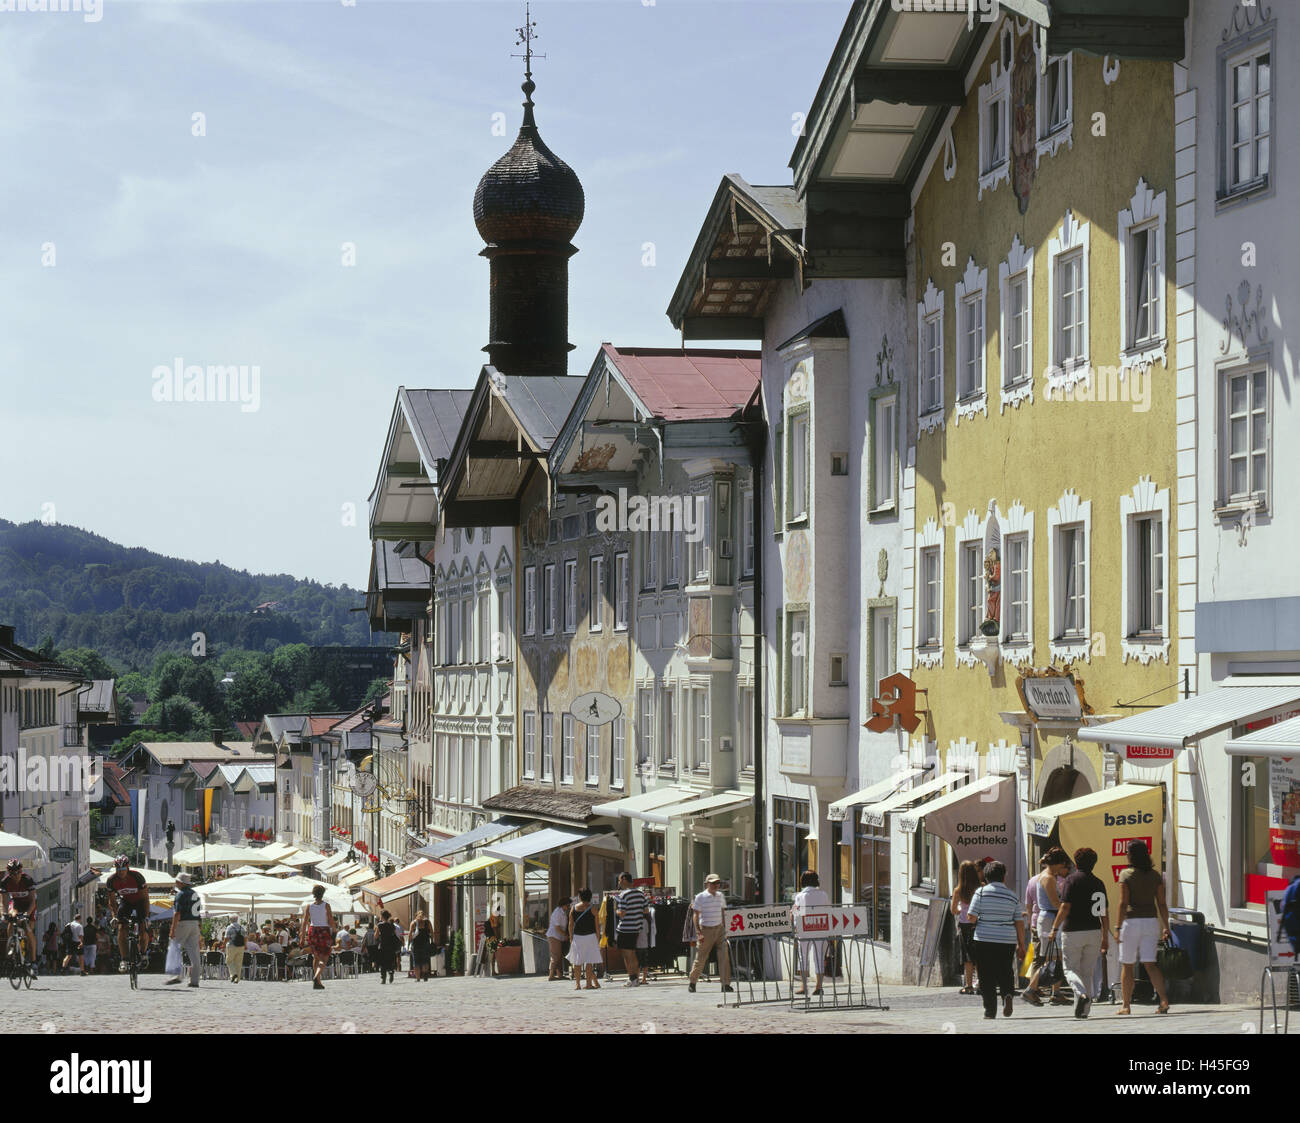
[(6, 634), (216, 738)]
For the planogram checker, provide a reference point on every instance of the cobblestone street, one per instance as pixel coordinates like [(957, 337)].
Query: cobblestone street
[(362, 1005)]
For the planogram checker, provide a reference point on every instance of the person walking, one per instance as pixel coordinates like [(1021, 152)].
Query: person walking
[(421, 946), (584, 941), (1049, 904), (1084, 927), (707, 909), (185, 926), (810, 896), (89, 946), (370, 947), (630, 909), (487, 964), (51, 947), (318, 920), (236, 938), (73, 938), (968, 880), (389, 943), (1143, 923), (999, 928), (556, 933)]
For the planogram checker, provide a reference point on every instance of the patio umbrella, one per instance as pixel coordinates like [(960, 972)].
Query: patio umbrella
[(99, 858), (152, 878), (15, 846), (247, 869), (277, 871)]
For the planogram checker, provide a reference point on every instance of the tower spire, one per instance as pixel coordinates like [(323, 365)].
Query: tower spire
[(527, 34)]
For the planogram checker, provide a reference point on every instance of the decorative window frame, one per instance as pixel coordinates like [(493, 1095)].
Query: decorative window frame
[(1144, 499), (1069, 509), (801, 608), (876, 605), (1047, 144), (995, 92), (1259, 34), (931, 535), (974, 285), (930, 307), (1238, 364), (1018, 521), (969, 531), (874, 398), (1146, 208), (801, 413), (1070, 237), (1019, 259)]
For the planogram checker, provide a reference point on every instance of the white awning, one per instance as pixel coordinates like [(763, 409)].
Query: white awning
[(874, 813), (632, 806), (839, 810), (917, 816), (1282, 739), (548, 839), (698, 808), (1042, 821), (1177, 725)]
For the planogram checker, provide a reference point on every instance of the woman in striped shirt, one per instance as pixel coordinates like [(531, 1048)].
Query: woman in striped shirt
[(999, 929)]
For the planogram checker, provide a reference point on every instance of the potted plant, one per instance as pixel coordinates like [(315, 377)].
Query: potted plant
[(456, 957), (248, 833), (509, 956)]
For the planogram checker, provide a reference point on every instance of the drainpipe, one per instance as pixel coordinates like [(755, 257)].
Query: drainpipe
[(757, 444)]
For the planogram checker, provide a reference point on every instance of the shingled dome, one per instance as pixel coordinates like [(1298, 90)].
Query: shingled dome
[(530, 193)]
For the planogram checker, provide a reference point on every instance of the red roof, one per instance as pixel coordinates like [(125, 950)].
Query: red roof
[(248, 729), (320, 725), (690, 385), (403, 878)]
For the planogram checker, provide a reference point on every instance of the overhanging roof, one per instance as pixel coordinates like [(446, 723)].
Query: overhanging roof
[(696, 808), (1178, 724), (632, 806), (547, 840), (872, 793), (874, 813), (1281, 740), (1044, 819)]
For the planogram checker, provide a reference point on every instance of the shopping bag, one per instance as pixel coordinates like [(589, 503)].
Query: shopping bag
[(1051, 974), (1027, 967), (174, 965), (1173, 961)]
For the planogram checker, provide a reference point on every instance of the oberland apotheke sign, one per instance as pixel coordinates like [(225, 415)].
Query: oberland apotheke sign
[(1052, 697)]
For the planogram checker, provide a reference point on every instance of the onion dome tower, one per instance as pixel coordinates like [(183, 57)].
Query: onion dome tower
[(527, 208)]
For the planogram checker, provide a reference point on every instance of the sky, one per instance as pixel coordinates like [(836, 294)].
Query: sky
[(287, 186)]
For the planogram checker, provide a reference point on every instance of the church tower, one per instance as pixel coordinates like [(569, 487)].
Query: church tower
[(527, 208)]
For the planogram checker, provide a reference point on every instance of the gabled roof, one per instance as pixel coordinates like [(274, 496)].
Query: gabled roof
[(113, 776), (98, 700), (688, 385), (32, 664), (830, 326), (398, 589), (546, 804), (247, 729), (176, 753)]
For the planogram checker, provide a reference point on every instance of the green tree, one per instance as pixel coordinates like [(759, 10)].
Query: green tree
[(315, 699), (179, 714), (289, 666), (89, 663), (376, 690), (253, 695)]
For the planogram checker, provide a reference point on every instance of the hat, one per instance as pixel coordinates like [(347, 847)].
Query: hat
[(182, 879), (713, 879)]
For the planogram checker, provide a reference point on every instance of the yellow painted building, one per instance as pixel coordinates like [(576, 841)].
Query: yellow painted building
[(1040, 259)]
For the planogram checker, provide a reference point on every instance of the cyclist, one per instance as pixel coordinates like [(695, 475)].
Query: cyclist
[(20, 900), (129, 893)]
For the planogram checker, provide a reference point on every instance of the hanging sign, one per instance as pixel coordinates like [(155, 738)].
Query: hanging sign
[(595, 708), (897, 703), (1052, 695), (833, 920)]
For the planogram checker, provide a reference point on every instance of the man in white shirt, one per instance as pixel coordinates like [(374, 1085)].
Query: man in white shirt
[(76, 934), (707, 909), (810, 896), (557, 932)]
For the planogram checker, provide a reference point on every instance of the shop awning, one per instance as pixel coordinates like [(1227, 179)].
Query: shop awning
[(874, 814), (839, 810), (274, 852), (391, 895), (1044, 820), (301, 858), (549, 839), (358, 877), (916, 816), (16, 846), (632, 806), (698, 808), (336, 862), (465, 869), (1282, 739), (486, 832), (388, 886), (1175, 726)]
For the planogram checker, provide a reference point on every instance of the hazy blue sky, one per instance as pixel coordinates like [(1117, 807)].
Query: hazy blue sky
[(328, 124)]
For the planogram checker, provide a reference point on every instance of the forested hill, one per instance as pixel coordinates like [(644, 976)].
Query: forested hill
[(131, 604)]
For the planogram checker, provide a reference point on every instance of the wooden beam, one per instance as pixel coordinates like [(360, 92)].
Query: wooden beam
[(913, 85), (748, 269), (856, 231), (469, 512), (1138, 37), (722, 327), (501, 450)]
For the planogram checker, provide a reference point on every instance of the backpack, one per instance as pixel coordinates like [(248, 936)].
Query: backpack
[(1291, 911), (237, 938)]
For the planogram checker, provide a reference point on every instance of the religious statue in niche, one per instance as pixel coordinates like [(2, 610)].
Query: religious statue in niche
[(1024, 137), (993, 598)]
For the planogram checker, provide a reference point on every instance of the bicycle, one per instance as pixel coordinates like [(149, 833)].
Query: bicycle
[(21, 972), (135, 963)]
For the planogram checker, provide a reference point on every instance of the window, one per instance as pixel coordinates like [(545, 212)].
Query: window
[(592, 755), (566, 748), (797, 501), (932, 364), (778, 481), (970, 365), (1244, 438), (617, 762), (1068, 301), (548, 599), (1072, 607), (548, 746), (650, 561), (790, 818), (1017, 330), (505, 623), (971, 611), (1055, 108), (746, 534), (484, 769), (620, 592), (1016, 584), (1247, 106), (440, 762), (1253, 830), (923, 858), (839, 464), (884, 453), (700, 714), (571, 595), (673, 555), (745, 727), (571, 527), (506, 751), (484, 604), (1147, 561), (993, 128), (645, 702), (530, 600), (882, 622), (698, 557), (839, 673), (872, 886), (667, 729), (931, 598), (797, 661), (1143, 275), (595, 615)]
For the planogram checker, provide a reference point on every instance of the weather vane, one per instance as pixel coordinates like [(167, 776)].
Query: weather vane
[(527, 34)]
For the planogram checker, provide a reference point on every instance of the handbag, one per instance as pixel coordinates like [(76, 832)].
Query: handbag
[(173, 965), (1051, 974), (1173, 961)]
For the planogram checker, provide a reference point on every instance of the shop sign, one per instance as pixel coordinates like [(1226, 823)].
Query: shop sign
[(62, 854), (1279, 944), (758, 920), (1149, 754), (1052, 695), (897, 703), (595, 708), (836, 920)]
